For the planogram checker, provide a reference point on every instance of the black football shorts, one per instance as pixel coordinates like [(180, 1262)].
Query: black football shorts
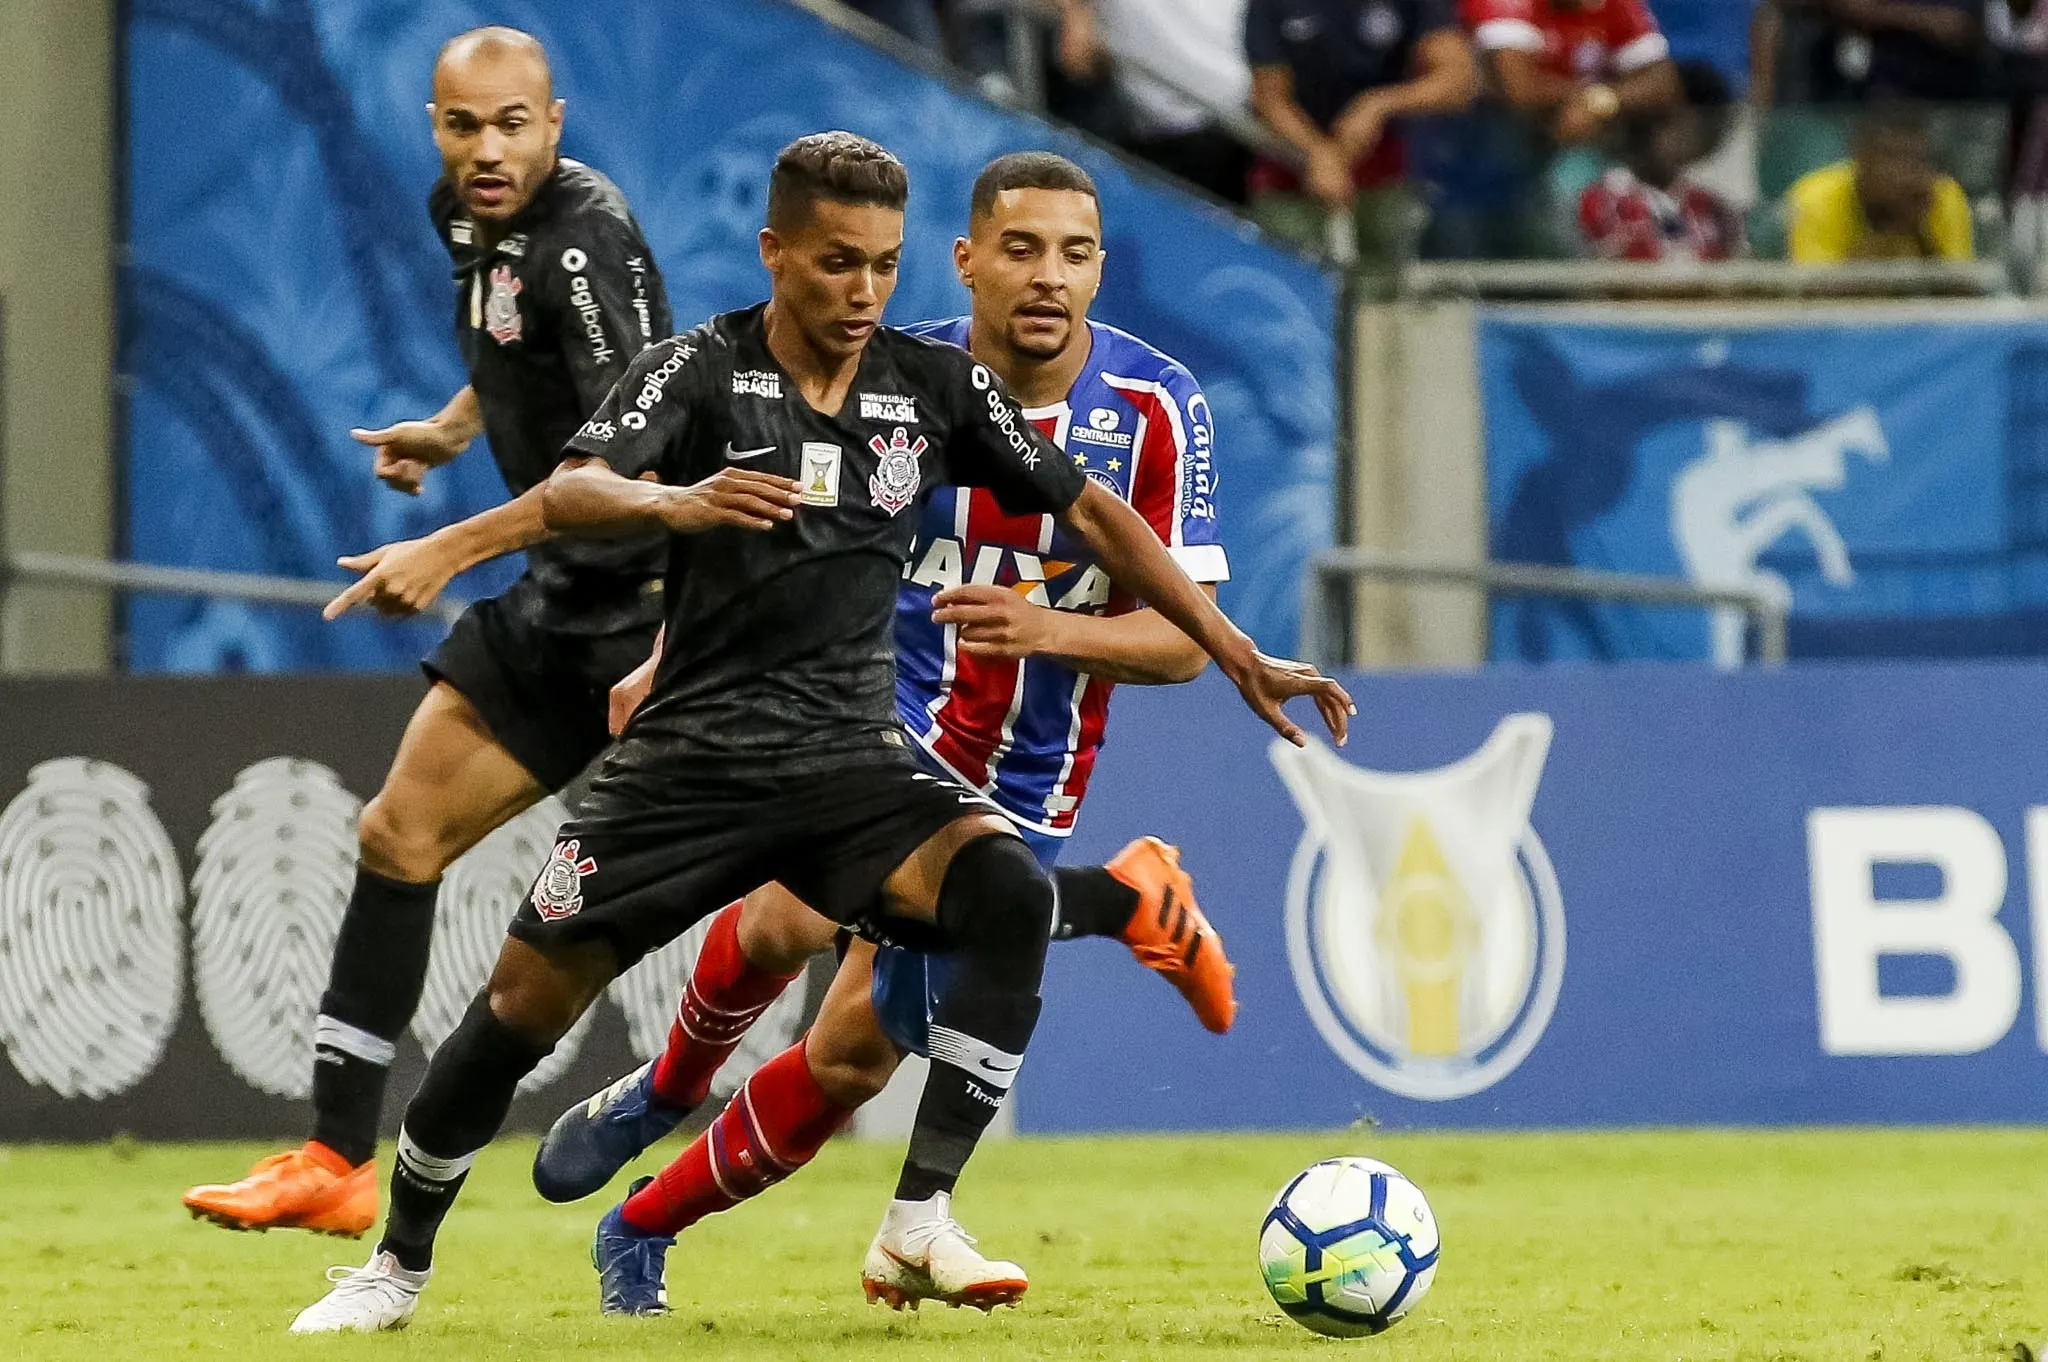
[(543, 693), (650, 855)]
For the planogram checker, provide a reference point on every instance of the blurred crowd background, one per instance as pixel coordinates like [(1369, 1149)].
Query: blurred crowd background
[(1815, 131)]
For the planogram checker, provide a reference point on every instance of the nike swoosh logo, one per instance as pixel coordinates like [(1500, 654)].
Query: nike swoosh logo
[(988, 1068), (736, 455)]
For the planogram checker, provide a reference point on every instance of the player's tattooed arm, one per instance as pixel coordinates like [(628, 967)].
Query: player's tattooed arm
[(1134, 557), (1141, 648), (408, 449), (585, 499)]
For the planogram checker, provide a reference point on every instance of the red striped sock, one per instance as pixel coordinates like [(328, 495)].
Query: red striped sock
[(773, 1126), (727, 993)]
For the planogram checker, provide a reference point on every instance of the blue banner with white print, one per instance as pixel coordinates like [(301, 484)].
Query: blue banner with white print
[(283, 283), (1887, 480), (1618, 896)]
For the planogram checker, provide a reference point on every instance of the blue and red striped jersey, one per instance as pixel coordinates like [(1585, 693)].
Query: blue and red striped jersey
[(1027, 734)]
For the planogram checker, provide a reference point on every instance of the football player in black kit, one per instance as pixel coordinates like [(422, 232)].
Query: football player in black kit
[(556, 293), (778, 448)]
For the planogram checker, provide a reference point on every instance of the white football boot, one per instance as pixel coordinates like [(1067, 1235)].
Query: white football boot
[(921, 1254), (378, 1296)]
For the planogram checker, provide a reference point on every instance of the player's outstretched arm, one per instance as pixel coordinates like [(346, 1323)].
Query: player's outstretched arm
[(1141, 648), (407, 450), (406, 577), (1132, 553), (585, 499)]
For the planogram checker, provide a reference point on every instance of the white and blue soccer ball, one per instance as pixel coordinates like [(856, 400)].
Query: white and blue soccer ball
[(1349, 1247)]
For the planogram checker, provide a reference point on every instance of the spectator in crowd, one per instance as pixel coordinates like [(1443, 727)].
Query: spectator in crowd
[(1334, 78), (1647, 208), (1888, 201), (1192, 45), (1576, 65), (1832, 51)]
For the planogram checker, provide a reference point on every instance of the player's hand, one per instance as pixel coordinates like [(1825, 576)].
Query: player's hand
[(1576, 123), (1267, 683), (732, 496), (1360, 129), (398, 579), (994, 621), (406, 451), (1329, 175), (628, 694)]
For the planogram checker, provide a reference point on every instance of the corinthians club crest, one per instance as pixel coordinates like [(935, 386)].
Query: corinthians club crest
[(501, 306), (1425, 928), (558, 893), (896, 478)]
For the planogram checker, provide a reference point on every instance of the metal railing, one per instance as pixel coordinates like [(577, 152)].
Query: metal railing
[(1728, 279), (30, 568), (1323, 605)]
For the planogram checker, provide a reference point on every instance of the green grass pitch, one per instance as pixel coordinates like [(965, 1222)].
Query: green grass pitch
[(1833, 1246)]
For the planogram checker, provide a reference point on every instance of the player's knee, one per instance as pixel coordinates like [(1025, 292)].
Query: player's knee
[(997, 895), (779, 933), (402, 845), (541, 997), (852, 1067)]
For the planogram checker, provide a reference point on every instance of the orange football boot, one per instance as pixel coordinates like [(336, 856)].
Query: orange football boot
[(1169, 935), (312, 1188)]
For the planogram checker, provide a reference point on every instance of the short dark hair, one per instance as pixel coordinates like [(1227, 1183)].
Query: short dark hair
[(1027, 170), (833, 167)]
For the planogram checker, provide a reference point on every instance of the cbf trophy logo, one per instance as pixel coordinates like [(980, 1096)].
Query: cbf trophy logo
[(895, 479), (1424, 924)]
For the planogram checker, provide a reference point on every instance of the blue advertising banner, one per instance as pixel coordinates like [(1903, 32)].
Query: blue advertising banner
[(284, 284), (1637, 895), (1887, 479)]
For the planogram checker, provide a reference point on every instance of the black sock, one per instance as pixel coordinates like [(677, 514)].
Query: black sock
[(1092, 902), (460, 1105), (995, 911), (373, 988)]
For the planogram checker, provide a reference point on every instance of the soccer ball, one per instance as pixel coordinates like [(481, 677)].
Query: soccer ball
[(1349, 1247)]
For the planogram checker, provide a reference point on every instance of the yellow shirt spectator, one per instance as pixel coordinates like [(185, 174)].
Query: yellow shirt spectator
[(1828, 224)]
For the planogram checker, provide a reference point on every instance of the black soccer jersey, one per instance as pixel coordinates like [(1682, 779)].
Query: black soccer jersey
[(548, 320), (779, 652)]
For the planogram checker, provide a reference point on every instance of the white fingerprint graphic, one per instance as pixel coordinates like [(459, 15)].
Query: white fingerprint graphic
[(90, 897), (275, 871), (651, 991), (479, 895)]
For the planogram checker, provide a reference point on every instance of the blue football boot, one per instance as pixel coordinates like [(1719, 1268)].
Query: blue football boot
[(629, 1265), (591, 1141)]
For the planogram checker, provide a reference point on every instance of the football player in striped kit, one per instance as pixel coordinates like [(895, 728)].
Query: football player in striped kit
[(1009, 641)]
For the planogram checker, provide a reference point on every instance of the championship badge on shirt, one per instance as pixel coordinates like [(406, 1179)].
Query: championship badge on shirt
[(501, 306), (820, 474), (896, 478)]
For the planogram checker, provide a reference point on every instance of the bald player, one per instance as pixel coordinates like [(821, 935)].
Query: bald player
[(556, 292)]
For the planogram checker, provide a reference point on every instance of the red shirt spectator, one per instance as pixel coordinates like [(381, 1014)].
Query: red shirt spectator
[(1625, 219), (1589, 41), (1575, 65)]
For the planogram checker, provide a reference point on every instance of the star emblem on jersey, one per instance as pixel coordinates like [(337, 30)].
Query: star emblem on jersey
[(501, 306), (896, 478), (558, 893)]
